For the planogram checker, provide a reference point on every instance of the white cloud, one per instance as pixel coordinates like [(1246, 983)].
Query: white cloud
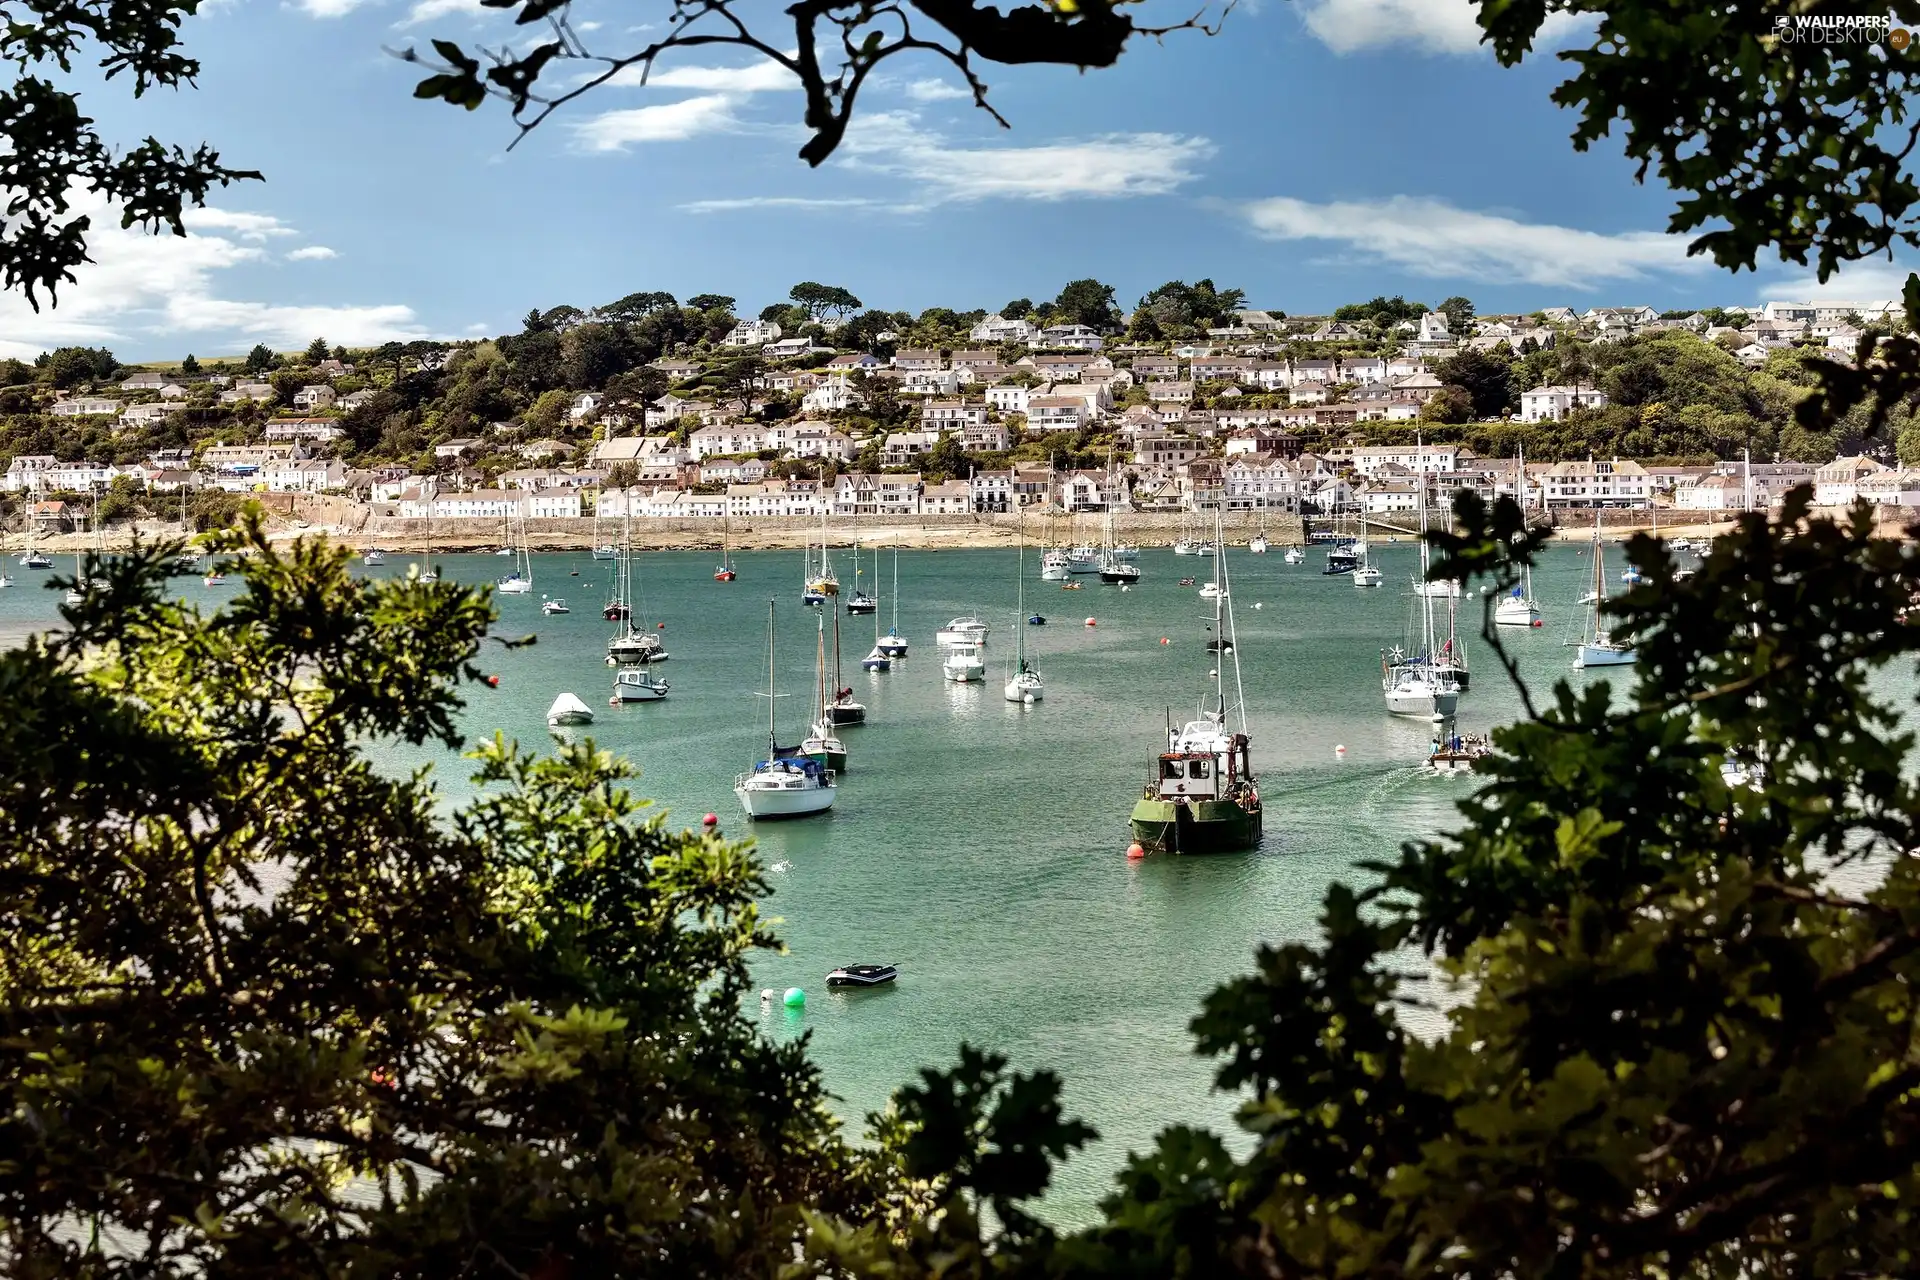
[(1431, 238), (665, 122), (936, 91), (1107, 166), (1855, 282), (1431, 26), (330, 8), (256, 227), (429, 10), (311, 253), (764, 76), (777, 202), (156, 292)]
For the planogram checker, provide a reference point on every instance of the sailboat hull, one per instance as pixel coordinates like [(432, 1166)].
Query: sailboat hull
[(1423, 703), (765, 804), (1598, 655), (1201, 826)]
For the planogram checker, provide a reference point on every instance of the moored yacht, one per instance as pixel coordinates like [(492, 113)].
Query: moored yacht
[(638, 686), (963, 663), (785, 784), (373, 556), (1202, 796), (1598, 647), (568, 709), (962, 630)]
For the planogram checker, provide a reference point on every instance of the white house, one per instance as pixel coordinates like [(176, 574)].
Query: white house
[(550, 504), (305, 475), (1010, 399), (1431, 459), (136, 415), (1597, 483), (952, 415), (1551, 404), (997, 328), (321, 429), (1839, 482), (752, 333), (1077, 336), (242, 391), (317, 396), (1056, 413), (726, 438), (86, 407)]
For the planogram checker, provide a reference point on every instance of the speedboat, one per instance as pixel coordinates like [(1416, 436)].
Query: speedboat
[(551, 607), (862, 975), (963, 630), (568, 709), (963, 664), (373, 555), (861, 602), (638, 686), (1211, 591), (785, 787), (515, 585), (893, 644), (636, 648), (877, 660), (1367, 576)]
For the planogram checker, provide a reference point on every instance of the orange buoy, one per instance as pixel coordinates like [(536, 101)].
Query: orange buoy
[(1135, 851)]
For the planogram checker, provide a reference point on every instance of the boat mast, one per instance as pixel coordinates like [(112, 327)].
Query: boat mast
[(838, 683), (1020, 596), (773, 737), (896, 590)]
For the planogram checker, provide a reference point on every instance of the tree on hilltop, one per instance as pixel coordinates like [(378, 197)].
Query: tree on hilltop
[(821, 300)]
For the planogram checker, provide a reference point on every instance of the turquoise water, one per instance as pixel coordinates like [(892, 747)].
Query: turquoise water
[(979, 844)]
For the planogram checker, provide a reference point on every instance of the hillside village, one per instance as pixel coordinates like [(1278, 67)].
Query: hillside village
[(657, 409)]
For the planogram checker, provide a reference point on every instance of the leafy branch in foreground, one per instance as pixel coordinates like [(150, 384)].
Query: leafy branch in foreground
[(830, 48)]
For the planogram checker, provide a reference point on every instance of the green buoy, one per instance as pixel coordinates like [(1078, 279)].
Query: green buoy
[(796, 998)]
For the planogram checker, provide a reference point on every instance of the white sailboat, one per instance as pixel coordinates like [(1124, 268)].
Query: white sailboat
[(859, 601), (893, 644), (819, 586), (427, 571), (1597, 647), (1366, 573), (1517, 608), (1416, 684), (631, 645), (602, 550), (519, 580), (1023, 682), (786, 784)]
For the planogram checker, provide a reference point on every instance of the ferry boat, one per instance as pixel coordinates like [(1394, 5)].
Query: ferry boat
[(1203, 796)]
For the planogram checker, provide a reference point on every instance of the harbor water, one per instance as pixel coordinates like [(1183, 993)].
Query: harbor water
[(980, 844)]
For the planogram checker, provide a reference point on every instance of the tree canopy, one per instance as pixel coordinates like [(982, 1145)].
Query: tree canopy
[(1086, 302), (820, 300)]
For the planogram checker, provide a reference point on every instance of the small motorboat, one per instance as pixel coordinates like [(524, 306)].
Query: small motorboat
[(215, 580), (638, 686), (862, 975), (1037, 620), (724, 574), (1072, 586), (1186, 582), (568, 709), (1367, 576), (1211, 591), (549, 607), (963, 630)]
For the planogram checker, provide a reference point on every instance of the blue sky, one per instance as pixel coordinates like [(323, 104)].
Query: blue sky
[(1315, 152)]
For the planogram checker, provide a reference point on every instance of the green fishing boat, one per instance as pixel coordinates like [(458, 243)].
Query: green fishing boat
[(1202, 796)]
